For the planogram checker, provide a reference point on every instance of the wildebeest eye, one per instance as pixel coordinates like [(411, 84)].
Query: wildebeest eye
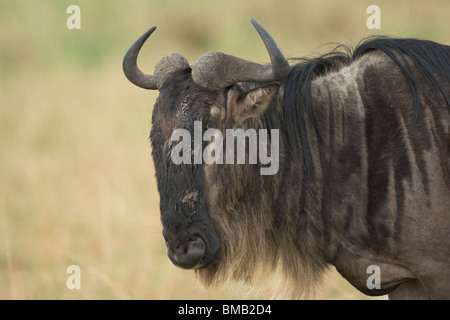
[(189, 196)]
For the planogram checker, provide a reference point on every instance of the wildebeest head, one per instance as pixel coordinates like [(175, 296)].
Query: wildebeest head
[(194, 94)]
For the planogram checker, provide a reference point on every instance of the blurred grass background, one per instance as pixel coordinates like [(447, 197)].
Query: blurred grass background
[(76, 176)]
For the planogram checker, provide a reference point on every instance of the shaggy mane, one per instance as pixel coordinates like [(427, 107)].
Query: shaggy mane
[(431, 59)]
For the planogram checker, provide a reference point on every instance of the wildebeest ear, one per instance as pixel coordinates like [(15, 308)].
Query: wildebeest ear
[(256, 102)]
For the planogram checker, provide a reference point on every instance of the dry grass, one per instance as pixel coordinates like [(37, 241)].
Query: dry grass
[(76, 176)]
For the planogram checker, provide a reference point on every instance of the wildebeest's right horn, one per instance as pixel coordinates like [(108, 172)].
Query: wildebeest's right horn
[(216, 70), (163, 69)]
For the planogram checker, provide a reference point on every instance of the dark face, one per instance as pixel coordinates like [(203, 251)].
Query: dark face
[(210, 93), (190, 237)]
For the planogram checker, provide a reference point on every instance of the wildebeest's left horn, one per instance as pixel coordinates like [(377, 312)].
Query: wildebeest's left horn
[(216, 70), (163, 69)]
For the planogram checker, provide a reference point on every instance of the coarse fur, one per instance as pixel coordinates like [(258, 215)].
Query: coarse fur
[(364, 165)]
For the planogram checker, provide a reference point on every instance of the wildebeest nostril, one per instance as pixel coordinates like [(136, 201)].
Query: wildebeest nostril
[(188, 255)]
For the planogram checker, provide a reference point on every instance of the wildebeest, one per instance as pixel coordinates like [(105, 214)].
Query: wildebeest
[(364, 166)]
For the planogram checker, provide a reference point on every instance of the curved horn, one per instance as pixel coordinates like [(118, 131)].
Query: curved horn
[(130, 68), (164, 68), (216, 70)]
